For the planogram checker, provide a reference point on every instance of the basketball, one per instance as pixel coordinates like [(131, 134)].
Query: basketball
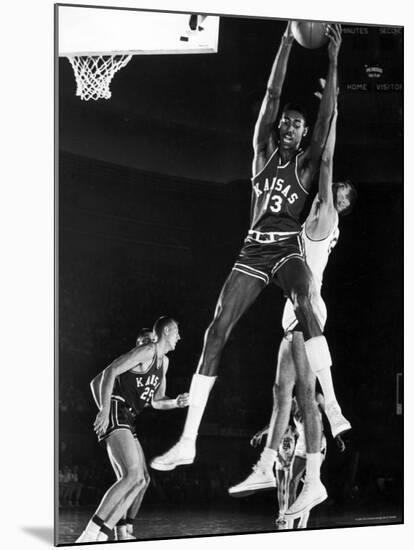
[(309, 34)]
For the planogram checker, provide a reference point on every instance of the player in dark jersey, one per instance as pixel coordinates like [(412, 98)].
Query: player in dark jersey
[(125, 527), (130, 383), (320, 234), (282, 176)]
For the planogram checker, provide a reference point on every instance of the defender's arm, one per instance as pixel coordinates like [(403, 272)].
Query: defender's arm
[(326, 109)]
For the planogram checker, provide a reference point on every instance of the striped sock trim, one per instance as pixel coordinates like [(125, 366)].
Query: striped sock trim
[(98, 521), (106, 530)]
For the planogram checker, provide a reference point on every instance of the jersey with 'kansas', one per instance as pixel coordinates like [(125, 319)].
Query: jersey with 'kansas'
[(278, 197), (138, 389)]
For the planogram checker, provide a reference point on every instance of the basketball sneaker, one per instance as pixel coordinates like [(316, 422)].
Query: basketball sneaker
[(339, 424), (261, 478), (183, 452), (313, 493), (126, 536), (87, 537)]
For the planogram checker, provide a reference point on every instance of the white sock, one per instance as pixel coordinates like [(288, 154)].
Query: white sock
[(130, 528), (199, 392), (102, 536), (92, 528), (313, 466), (122, 530), (325, 380), (268, 458), (318, 353), (320, 362)]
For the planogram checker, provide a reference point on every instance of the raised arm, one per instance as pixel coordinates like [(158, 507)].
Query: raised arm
[(326, 108), (160, 401), (325, 174), (124, 363), (270, 104)]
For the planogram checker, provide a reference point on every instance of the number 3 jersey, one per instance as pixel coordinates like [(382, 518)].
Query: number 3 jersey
[(278, 197), (138, 389)]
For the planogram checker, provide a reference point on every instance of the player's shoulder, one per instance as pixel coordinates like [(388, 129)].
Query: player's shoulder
[(145, 351)]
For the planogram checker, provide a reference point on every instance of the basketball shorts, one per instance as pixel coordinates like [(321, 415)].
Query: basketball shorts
[(262, 260), (121, 417), (289, 321)]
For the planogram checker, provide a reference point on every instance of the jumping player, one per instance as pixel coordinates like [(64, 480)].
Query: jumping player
[(320, 234), (130, 383), (290, 465), (282, 176)]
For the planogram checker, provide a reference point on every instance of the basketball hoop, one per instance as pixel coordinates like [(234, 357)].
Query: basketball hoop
[(94, 74)]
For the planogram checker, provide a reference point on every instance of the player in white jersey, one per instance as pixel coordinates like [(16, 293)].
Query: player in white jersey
[(320, 234), (291, 462)]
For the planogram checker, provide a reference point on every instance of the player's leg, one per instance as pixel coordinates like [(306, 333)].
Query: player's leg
[(313, 491), (238, 293), (282, 394), (124, 528), (283, 474), (136, 505), (296, 280), (263, 476), (305, 393), (298, 471), (304, 518), (122, 450), (120, 530)]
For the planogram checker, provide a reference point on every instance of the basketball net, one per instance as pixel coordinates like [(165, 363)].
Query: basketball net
[(94, 74)]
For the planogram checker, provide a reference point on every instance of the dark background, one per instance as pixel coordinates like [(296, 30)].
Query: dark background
[(154, 198)]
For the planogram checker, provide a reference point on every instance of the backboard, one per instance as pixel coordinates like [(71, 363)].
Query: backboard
[(85, 31)]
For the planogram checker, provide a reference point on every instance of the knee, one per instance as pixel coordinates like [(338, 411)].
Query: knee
[(132, 478), (146, 480), (142, 480)]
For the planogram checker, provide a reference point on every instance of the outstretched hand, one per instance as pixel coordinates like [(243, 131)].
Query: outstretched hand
[(256, 440), (182, 400), (333, 32)]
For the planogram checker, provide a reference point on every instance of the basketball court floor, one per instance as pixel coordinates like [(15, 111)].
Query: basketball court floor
[(171, 523)]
